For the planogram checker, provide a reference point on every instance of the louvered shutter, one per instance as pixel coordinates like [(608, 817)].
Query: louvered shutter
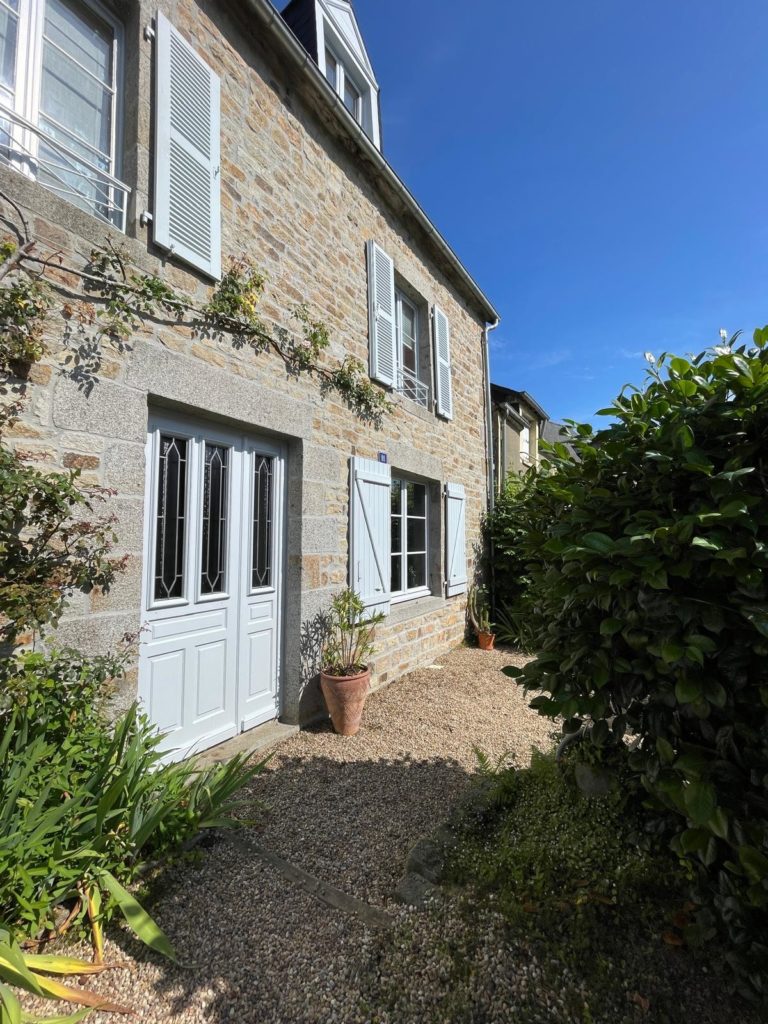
[(369, 532), (441, 333), (455, 540), (381, 312), (187, 214)]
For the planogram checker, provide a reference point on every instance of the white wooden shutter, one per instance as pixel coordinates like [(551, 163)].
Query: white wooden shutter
[(187, 214), (369, 532), (381, 312), (455, 540), (441, 334)]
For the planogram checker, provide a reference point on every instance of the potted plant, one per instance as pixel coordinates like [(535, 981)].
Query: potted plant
[(345, 674), (480, 616)]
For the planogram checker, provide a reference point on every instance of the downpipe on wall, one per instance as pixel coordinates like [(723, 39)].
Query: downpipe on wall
[(491, 483)]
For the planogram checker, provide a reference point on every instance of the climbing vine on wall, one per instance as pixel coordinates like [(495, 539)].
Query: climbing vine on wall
[(107, 300)]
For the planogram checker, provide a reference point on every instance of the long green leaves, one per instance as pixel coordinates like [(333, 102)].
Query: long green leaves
[(139, 921), (83, 807)]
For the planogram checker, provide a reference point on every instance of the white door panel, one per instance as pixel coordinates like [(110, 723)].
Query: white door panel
[(263, 514), (209, 663)]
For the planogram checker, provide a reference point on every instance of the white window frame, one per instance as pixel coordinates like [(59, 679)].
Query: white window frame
[(525, 443), (340, 80), (420, 386), (412, 594), (25, 110), (401, 299)]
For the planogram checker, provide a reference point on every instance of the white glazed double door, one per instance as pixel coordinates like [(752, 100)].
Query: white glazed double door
[(210, 649)]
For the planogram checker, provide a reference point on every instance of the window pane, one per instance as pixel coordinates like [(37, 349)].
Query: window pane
[(416, 573), (261, 555), (409, 362), (330, 68), (171, 512), (351, 97), (395, 492), (417, 535), (417, 499), (408, 319), (397, 534), (215, 511), (75, 28), (397, 568), (8, 32), (80, 104)]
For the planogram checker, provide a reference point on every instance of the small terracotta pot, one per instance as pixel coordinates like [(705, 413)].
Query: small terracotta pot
[(485, 641), (345, 698)]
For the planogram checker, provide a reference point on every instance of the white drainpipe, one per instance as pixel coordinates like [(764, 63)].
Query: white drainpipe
[(489, 412)]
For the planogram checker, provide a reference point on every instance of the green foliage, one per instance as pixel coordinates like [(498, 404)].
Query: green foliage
[(583, 901), (506, 527), (478, 609), (348, 642), (647, 561), (83, 804), (24, 307), (52, 541), (544, 850), (238, 294)]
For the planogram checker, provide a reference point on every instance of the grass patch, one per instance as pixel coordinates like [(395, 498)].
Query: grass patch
[(598, 916)]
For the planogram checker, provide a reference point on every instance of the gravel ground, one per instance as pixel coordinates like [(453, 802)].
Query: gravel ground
[(259, 950)]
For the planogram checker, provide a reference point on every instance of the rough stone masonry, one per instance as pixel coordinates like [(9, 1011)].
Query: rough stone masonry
[(301, 202)]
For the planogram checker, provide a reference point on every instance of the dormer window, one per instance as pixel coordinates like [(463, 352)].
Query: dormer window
[(328, 29)]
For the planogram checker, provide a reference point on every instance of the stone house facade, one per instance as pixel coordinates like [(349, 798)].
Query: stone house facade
[(191, 132)]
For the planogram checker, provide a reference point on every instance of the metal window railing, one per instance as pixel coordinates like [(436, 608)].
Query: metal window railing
[(408, 384), (66, 172)]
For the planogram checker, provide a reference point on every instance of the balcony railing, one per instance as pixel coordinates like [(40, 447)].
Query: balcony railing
[(61, 169), (408, 384)]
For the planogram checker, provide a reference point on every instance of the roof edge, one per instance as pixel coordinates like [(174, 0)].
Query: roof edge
[(273, 22)]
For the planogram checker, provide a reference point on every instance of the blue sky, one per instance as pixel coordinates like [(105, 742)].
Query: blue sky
[(601, 168)]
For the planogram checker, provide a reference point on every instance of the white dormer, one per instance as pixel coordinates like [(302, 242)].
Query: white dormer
[(329, 31)]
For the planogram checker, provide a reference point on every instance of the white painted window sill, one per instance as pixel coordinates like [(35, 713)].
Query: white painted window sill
[(422, 606)]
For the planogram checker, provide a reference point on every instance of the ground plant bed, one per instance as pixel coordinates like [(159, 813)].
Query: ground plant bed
[(553, 913)]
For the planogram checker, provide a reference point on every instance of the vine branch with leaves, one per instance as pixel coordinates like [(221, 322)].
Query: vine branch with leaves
[(113, 299)]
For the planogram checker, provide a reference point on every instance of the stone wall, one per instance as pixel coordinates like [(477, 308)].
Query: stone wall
[(302, 205)]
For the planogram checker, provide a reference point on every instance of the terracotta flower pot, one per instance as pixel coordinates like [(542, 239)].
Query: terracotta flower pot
[(485, 641), (345, 698)]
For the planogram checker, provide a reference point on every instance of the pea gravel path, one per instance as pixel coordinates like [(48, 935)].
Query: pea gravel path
[(259, 950)]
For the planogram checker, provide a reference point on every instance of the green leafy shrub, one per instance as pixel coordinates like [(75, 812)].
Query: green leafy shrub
[(506, 528), (52, 541), (647, 562), (348, 642), (78, 799)]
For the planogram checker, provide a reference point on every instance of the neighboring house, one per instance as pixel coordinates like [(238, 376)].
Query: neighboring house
[(554, 431), (245, 499), (518, 423)]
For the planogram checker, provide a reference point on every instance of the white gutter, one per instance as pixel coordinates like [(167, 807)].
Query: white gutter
[(273, 22), (489, 412)]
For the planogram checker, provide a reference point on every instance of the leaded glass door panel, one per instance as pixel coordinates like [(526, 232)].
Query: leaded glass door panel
[(209, 663)]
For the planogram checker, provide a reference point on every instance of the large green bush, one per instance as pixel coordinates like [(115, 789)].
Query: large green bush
[(506, 529), (647, 563)]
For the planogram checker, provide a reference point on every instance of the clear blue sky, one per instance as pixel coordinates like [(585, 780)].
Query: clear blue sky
[(601, 168)]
